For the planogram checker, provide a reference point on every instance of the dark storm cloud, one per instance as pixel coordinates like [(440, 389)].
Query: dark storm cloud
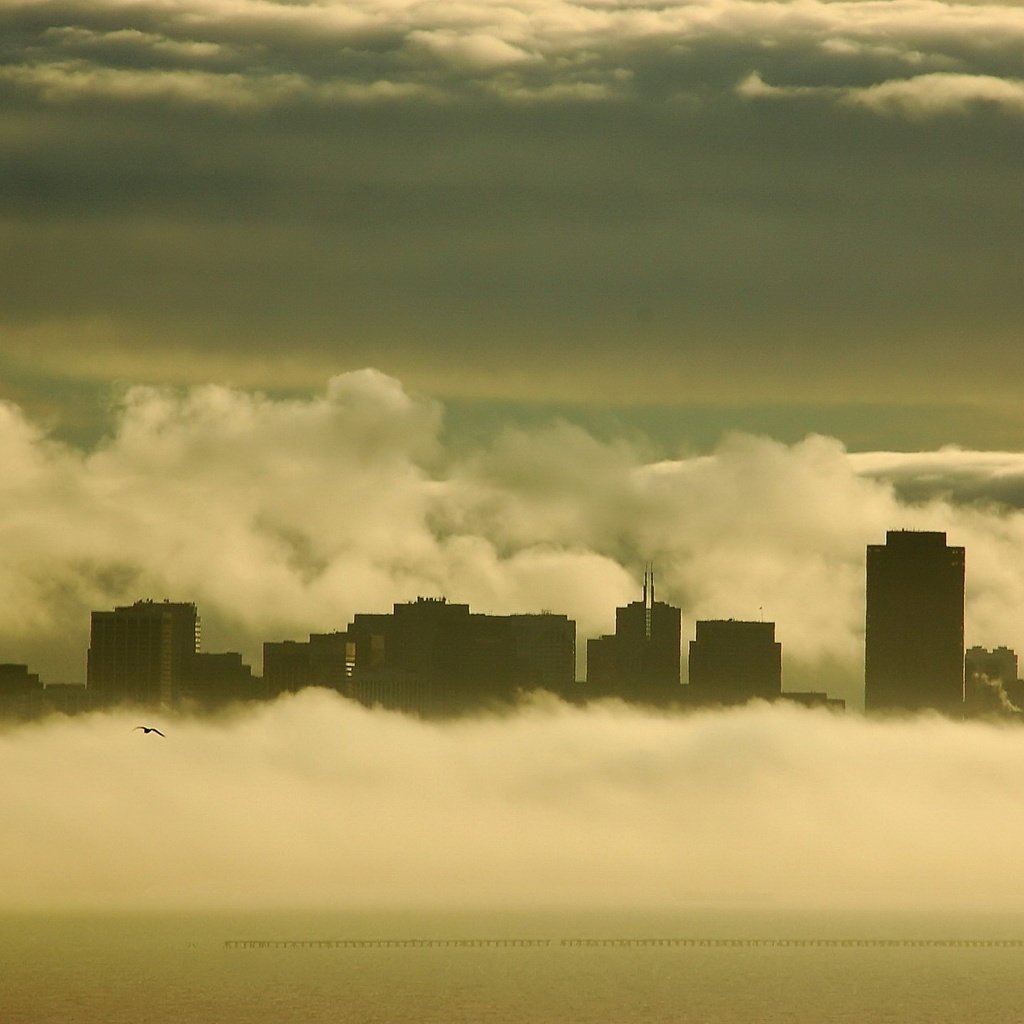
[(814, 203)]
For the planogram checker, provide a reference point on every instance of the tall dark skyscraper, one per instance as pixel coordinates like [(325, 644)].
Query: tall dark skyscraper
[(732, 661), (914, 634), (641, 660), (142, 653)]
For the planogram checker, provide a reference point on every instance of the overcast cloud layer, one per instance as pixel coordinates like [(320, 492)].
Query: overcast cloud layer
[(314, 801), (721, 203), (281, 517)]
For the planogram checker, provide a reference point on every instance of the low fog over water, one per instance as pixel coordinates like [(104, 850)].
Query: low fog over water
[(313, 800), (281, 517)]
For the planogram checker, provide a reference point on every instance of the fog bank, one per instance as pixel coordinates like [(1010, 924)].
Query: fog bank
[(315, 801)]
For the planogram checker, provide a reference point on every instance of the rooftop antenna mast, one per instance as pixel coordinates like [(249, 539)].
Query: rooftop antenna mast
[(648, 605)]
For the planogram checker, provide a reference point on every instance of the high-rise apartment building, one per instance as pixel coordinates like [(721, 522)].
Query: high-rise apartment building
[(914, 631), (141, 653), (732, 661)]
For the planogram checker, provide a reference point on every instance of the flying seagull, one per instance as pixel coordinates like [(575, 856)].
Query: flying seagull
[(148, 729)]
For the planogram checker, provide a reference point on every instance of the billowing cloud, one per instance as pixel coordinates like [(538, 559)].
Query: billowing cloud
[(262, 53), (285, 516), (472, 50), (992, 477), (80, 81), (921, 96), (313, 801), (942, 92)]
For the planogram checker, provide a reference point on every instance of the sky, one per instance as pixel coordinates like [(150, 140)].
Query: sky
[(685, 217), (311, 307)]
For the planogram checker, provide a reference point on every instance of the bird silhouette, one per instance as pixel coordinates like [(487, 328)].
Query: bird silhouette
[(148, 729)]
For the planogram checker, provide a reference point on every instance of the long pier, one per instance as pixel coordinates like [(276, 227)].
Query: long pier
[(718, 942), (378, 943)]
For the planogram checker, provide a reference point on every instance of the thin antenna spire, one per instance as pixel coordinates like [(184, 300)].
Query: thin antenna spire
[(645, 586), (652, 584)]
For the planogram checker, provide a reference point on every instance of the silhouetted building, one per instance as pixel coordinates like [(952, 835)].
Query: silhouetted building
[(432, 639), (16, 679), (429, 657), (23, 696), (732, 661), (640, 661), (211, 680), (139, 653), (66, 698), (331, 659), (20, 692), (544, 651), (286, 667), (999, 664), (434, 657), (991, 686), (914, 634), (325, 659)]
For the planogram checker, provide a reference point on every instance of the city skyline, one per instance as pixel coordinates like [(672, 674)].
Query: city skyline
[(504, 303), (431, 658), (438, 658), (282, 517)]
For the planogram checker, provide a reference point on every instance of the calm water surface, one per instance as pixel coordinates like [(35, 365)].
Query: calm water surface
[(113, 968)]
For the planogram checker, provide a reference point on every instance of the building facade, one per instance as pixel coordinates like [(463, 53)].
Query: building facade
[(21, 692), (914, 627), (991, 685), (640, 661), (141, 653), (211, 680), (431, 657), (733, 661)]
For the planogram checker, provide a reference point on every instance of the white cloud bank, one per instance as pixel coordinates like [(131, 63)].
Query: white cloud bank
[(281, 517), (315, 801), (245, 56), (917, 98)]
